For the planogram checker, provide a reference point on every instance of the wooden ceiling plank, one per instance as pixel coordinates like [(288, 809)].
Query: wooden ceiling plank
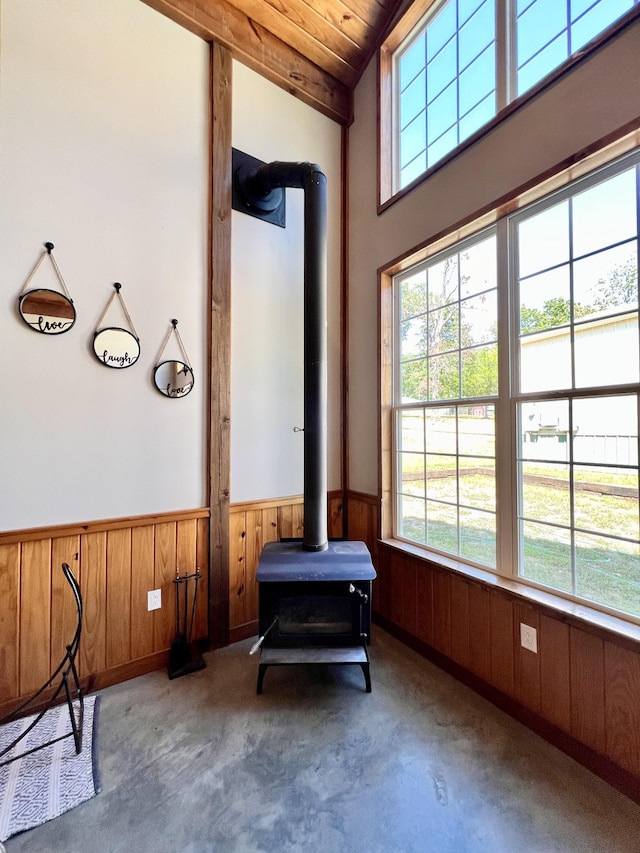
[(340, 16), (325, 47), (369, 11), (392, 8), (264, 53), (307, 18)]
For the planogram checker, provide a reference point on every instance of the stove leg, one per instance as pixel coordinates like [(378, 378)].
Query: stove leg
[(262, 668), (367, 675)]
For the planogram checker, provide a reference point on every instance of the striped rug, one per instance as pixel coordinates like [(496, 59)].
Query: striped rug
[(47, 783)]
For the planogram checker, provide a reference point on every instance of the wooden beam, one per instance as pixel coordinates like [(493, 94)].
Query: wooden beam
[(220, 345), (344, 323), (254, 46), (307, 32)]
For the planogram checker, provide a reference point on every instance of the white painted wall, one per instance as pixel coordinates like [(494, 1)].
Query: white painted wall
[(103, 147), (103, 144), (267, 298), (596, 98)]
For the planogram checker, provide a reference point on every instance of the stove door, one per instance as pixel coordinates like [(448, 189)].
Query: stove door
[(315, 613)]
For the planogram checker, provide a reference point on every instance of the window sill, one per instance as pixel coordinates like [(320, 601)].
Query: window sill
[(578, 614)]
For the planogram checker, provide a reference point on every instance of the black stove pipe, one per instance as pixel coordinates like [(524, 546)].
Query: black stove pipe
[(310, 178)]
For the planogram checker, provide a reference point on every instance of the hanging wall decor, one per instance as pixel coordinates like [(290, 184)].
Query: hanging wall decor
[(173, 378), (114, 346), (44, 310)]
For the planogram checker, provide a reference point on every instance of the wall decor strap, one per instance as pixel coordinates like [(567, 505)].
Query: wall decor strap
[(48, 250), (174, 328), (117, 286)]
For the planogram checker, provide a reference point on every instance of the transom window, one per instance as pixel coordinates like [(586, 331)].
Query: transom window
[(446, 83), (549, 31), (556, 415), (467, 59)]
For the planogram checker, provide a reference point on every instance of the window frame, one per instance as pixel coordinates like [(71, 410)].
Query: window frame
[(406, 43), (506, 101), (424, 405), (509, 395)]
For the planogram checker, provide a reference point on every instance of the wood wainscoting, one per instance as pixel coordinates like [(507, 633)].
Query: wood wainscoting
[(581, 691), (363, 514), (116, 563), (251, 525)]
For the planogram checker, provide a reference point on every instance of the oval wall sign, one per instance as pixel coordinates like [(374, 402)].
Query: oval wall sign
[(47, 311), (116, 347)]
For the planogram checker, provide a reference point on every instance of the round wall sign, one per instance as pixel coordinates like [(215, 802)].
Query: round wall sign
[(116, 347), (47, 311), (173, 378)]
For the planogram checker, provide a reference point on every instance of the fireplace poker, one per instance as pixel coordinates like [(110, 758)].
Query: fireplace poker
[(260, 640)]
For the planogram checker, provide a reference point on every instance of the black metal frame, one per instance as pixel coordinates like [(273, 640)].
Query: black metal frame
[(343, 656), (284, 648), (69, 683)]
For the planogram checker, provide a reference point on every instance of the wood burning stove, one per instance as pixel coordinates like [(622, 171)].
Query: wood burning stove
[(315, 607), (315, 595)]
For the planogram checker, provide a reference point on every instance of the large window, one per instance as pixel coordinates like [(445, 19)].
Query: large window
[(561, 420), (447, 363), (466, 59)]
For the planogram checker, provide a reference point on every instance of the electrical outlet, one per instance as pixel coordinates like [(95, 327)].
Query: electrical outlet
[(528, 638), (154, 599)]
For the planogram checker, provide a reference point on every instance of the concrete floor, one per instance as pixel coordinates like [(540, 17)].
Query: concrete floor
[(201, 764)]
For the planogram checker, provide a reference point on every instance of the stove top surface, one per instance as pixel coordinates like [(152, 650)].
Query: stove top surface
[(342, 561)]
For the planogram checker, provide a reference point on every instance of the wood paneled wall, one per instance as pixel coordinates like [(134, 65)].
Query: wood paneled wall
[(251, 525), (116, 564), (581, 690), (363, 512)]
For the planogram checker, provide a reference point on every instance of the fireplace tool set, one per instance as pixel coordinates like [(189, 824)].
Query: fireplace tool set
[(183, 658)]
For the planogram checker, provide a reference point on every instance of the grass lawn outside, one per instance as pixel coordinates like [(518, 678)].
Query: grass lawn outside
[(604, 569)]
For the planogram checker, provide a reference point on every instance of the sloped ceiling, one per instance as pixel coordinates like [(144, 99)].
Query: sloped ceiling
[(316, 50)]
